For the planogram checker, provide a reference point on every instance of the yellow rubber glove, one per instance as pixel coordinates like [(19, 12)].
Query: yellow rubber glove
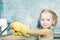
[(19, 28)]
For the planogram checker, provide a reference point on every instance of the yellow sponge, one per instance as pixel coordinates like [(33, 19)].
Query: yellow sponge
[(19, 28)]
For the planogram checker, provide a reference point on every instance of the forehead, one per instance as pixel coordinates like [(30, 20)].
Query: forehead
[(46, 15)]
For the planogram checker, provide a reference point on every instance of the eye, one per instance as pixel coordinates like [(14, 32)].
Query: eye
[(42, 19), (48, 19)]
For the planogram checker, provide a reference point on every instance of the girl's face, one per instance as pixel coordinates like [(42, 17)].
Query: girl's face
[(46, 20)]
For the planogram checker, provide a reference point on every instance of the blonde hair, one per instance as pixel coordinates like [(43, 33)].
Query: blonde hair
[(53, 15)]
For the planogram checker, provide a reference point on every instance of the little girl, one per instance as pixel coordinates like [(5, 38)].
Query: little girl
[(48, 20)]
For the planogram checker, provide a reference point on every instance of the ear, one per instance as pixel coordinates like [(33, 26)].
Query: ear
[(53, 22)]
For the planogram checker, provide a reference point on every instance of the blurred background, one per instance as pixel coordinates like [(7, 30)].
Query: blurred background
[(27, 12)]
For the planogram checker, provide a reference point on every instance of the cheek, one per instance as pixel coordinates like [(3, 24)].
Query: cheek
[(41, 22), (49, 23)]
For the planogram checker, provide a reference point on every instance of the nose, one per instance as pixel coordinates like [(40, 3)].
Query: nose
[(45, 22)]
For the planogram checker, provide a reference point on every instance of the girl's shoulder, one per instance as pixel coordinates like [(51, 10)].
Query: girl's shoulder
[(48, 31)]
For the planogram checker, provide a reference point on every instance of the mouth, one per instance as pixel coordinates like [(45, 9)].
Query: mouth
[(44, 25)]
